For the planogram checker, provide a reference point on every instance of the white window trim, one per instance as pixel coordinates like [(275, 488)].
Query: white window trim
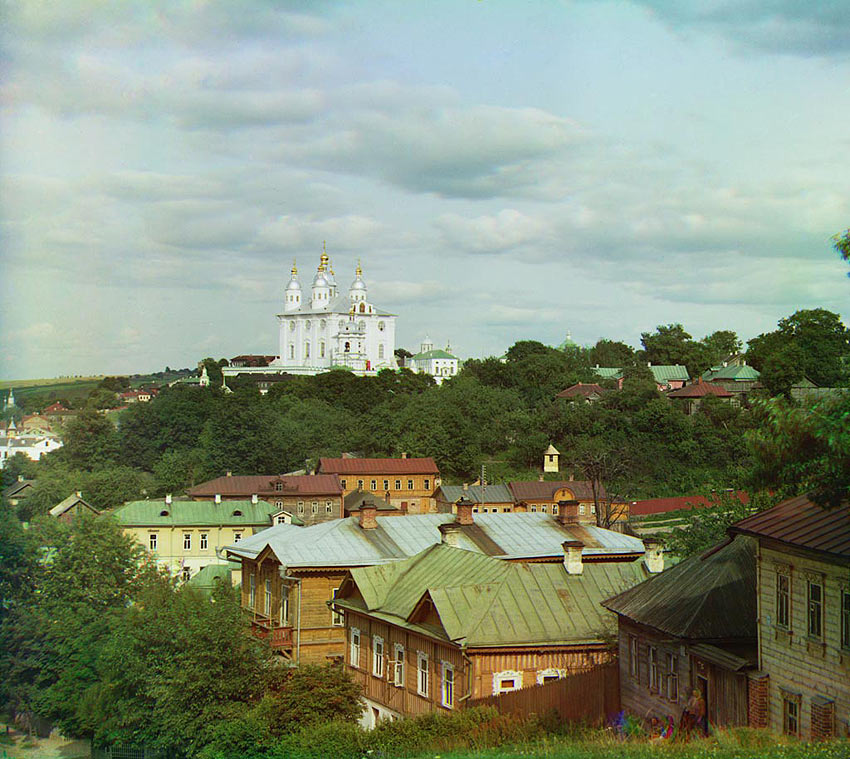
[(422, 665), (354, 648), (447, 702), (542, 674), (398, 667), (337, 618), (204, 541), (378, 659), (507, 674)]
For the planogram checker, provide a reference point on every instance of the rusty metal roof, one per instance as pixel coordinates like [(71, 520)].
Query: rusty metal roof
[(544, 490), (244, 486), (802, 523), (379, 466), (711, 596)]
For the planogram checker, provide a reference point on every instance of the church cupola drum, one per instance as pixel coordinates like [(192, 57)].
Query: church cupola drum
[(321, 329)]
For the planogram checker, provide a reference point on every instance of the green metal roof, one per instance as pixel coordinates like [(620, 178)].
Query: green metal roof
[(482, 601), (743, 373), (212, 575), (661, 373), (186, 513), (608, 372), (436, 353)]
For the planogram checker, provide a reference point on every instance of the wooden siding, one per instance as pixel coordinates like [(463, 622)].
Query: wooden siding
[(590, 696), (418, 500), (796, 663)]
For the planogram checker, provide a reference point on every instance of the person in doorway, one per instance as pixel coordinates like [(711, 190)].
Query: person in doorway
[(693, 715)]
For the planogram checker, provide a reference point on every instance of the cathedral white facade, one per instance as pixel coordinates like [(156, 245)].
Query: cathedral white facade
[(322, 328)]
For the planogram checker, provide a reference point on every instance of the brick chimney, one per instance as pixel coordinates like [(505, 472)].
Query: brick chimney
[(404, 454), (540, 477), (572, 556), (167, 498), (567, 513), (464, 511), (654, 555), (229, 473), (255, 498), (218, 497), (368, 516)]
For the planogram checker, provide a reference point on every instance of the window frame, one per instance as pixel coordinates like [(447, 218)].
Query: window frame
[(398, 484), (398, 667), (422, 673), (378, 656), (237, 536), (634, 661), (337, 617), (267, 597), (447, 685), (187, 541), (373, 485), (814, 617), (410, 485), (153, 541), (354, 647), (508, 674), (652, 662), (844, 611), (791, 702), (204, 541), (672, 684), (783, 600), (252, 590)]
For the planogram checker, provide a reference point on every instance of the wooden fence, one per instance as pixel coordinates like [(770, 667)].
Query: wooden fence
[(590, 696)]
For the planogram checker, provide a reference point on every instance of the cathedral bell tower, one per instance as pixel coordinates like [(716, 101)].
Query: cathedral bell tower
[(292, 296)]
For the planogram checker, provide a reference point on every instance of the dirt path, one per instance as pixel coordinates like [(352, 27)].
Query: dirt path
[(54, 747)]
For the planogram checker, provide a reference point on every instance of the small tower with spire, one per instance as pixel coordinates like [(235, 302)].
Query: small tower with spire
[(321, 292), (292, 296), (204, 380), (357, 291), (10, 400)]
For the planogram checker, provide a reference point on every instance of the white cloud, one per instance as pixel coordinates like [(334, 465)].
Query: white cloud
[(504, 231)]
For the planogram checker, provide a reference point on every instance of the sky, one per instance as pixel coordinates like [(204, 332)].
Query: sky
[(505, 170)]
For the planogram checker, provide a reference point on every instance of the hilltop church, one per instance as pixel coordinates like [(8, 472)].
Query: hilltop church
[(321, 329)]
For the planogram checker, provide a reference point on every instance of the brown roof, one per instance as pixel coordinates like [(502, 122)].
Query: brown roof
[(581, 390), (800, 522), (660, 505), (545, 491), (379, 466), (700, 390), (244, 486)]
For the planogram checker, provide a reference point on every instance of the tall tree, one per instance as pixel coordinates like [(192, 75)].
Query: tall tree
[(671, 344), (612, 353)]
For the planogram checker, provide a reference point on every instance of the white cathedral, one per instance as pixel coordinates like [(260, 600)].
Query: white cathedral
[(321, 329)]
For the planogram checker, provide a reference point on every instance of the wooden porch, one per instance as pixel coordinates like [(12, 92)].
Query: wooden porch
[(280, 637)]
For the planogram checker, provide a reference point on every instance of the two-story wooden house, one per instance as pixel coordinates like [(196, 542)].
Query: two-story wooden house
[(289, 574), (803, 562), (409, 482), (308, 498), (545, 495), (691, 627), (448, 625)]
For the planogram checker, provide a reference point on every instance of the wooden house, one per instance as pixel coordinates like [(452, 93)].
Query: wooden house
[(289, 574), (72, 507), (485, 499), (691, 396), (803, 564), (308, 498), (447, 626), (691, 627)]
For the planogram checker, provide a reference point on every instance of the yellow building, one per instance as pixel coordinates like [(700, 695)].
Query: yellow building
[(186, 536)]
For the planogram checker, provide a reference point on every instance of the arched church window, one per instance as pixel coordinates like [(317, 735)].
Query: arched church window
[(308, 324), (292, 326), (323, 324), (322, 349), (381, 326), (381, 350), (291, 350), (362, 308), (307, 349), (347, 347)]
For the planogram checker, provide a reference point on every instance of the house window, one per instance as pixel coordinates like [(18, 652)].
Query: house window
[(292, 349), (322, 349), (783, 601), (448, 689), (398, 664), (354, 648), (672, 677), (307, 349), (790, 714), (342, 484), (543, 509), (267, 598), (187, 541), (426, 483), (377, 656), (252, 590), (549, 675), (300, 507), (152, 541), (360, 484), (554, 508), (398, 484), (315, 507), (329, 507), (845, 618), (373, 485), (421, 673), (284, 606), (653, 668), (205, 541), (410, 484), (581, 508), (506, 681), (633, 657), (237, 536), (278, 486), (815, 609), (534, 509), (337, 620), (185, 574), (386, 484), (279, 504)]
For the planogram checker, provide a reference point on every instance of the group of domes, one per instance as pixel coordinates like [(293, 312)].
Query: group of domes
[(324, 286)]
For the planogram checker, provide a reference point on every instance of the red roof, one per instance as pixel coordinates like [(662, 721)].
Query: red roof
[(800, 522), (661, 505), (54, 408), (244, 486), (581, 390), (700, 390), (536, 490), (379, 466)]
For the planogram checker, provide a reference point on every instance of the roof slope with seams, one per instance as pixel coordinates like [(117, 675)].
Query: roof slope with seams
[(265, 484), (379, 466), (69, 503), (186, 513), (544, 490), (478, 493), (700, 389), (801, 522), (484, 602), (343, 543), (705, 597)]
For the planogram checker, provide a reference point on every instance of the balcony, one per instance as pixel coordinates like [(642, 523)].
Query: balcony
[(279, 636)]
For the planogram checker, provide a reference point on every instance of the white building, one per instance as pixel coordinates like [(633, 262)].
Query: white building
[(33, 446), (440, 364), (320, 328)]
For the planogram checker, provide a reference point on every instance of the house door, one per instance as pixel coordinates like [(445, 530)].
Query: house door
[(702, 686)]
